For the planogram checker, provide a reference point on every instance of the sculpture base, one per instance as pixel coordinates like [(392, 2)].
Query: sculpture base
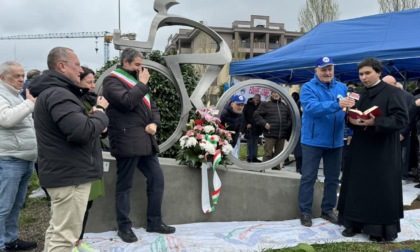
[(245, 196)]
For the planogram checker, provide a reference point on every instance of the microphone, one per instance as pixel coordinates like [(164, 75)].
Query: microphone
[(350, 90)]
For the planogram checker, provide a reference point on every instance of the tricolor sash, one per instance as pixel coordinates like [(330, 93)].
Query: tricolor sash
[(131, 82)]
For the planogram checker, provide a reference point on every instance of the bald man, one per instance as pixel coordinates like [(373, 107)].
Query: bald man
[(390, 80), (404, 133)]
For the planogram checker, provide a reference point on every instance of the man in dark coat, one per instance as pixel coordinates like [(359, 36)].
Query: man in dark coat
[(69, 156), (371, 194), (251, 130), (275, 119), (232, 117), (134, 120)]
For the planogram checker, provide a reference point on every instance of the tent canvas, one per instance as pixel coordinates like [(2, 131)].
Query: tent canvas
[(393, 38)]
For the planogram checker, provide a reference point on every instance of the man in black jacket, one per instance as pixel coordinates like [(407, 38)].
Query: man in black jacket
[(69, 153), (134, 120), (251, 130), (274, 116)]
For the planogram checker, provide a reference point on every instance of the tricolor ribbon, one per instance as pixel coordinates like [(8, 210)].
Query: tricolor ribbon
[(217, 183), (131, 82)]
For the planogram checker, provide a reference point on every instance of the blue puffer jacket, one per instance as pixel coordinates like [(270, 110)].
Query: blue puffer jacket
[(322, 119)]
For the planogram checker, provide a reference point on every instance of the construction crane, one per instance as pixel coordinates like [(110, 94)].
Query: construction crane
[(106, 35)]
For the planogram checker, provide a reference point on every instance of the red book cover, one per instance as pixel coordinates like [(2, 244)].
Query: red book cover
[(356, 114)]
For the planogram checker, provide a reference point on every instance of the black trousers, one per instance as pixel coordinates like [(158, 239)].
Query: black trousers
[(150, 167)]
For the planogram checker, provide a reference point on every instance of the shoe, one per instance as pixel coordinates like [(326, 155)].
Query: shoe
[(38, 194), (84, 247), (256, 160), (306, 220), (375, 238), (417, 186), (350, 232), (331, 217), (19, 244), (162, 229), (127, 236)]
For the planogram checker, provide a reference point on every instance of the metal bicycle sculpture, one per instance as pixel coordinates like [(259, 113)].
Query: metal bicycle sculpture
[(215, 62)]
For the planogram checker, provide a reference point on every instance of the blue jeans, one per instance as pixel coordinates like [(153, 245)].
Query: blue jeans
[(14, 177), (311, 157), (252, 147)]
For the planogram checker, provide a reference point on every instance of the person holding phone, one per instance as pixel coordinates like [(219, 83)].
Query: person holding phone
[(134, 121)]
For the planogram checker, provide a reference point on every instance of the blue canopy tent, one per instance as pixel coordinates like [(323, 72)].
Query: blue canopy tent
[(393, 38)]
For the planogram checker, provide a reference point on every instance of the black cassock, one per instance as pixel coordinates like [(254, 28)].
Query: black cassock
[(371, 191)]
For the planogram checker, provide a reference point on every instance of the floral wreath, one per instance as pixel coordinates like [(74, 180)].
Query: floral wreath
[(206, 145)]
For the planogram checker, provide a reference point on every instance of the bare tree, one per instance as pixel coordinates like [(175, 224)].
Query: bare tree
[(316, 12), (386, 6)]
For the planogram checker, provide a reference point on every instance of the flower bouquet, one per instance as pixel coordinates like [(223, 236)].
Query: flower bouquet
[(206, 145), (206, 137)]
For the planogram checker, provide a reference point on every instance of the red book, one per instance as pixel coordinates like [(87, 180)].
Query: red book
[(356, 114)]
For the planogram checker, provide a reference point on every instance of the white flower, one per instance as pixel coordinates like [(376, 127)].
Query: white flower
[(200, 156), (209, 129), (226, 149), (208, 147), (182, 141), (191, 142)]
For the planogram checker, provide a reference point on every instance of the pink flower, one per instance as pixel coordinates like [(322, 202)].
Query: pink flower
[(198, 127)]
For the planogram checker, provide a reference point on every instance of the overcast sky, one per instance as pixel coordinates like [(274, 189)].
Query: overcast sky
[(25, 17)]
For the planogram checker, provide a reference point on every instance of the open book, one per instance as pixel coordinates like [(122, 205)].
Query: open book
[(355, 113)]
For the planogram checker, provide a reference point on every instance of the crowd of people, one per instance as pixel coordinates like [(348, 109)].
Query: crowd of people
[(372, 154), (59, 121), (58, 125)]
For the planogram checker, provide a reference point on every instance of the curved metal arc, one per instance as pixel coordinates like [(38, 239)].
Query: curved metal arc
[(296, 123), (185, 104)]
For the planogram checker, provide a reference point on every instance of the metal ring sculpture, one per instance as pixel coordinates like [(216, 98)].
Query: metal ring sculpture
[(214, 61), (296, 122)]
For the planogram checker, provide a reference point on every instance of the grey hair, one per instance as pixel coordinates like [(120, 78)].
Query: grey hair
[(5, 66), (129, 54), (56, 55)]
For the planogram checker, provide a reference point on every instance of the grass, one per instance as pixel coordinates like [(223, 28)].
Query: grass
[(242, 151), (354, 247)]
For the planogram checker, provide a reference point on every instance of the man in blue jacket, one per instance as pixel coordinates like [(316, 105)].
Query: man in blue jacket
[(323, 100)]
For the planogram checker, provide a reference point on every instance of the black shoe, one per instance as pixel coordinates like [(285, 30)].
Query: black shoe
[(127, 236), (306, 220), (331, 217), (377, 239), (162, 229), (18, 245), (256, 160), (350, 232)]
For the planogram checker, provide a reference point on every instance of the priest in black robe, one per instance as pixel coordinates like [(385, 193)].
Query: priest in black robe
[(370, 200)]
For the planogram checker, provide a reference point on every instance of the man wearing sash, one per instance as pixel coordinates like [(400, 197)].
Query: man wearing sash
[(134, 120)]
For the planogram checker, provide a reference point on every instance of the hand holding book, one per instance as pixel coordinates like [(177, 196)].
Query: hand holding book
[(365, 118)]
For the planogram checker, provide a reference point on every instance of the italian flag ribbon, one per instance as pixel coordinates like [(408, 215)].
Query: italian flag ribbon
[(131, 82), (217, 184)]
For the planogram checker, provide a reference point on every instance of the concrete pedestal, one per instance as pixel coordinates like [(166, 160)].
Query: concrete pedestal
[(245, 196)]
